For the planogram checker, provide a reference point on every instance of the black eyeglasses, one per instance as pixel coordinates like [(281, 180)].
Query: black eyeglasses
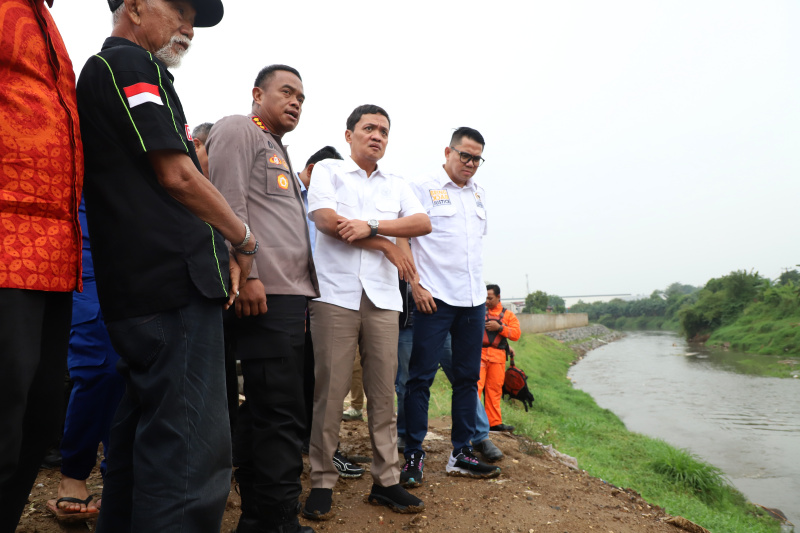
[(466, 158)]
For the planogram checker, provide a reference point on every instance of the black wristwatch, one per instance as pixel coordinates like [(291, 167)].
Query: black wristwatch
[(373, 227)]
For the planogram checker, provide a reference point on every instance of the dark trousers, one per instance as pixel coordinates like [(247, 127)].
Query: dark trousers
[(271, 422), (465, 325), (231, 376), (308, 382), (34, 332), (169, 463)]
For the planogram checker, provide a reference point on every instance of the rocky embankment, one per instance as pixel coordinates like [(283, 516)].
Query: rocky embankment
[(587, 338)]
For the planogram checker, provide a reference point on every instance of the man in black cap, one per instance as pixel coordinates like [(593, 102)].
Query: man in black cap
[(161, 265)]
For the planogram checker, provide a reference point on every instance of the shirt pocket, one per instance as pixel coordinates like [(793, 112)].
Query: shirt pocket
[(442, 217), (278, 181), (481, 219), (346, 203), (388, 208)]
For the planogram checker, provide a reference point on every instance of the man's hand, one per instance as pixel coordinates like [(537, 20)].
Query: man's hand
[(493, 325), (235, 271), (423, 299), (405, 266), (352, 230), (252, 299), (245, 263)]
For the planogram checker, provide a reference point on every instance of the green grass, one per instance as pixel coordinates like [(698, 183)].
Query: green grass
[(571, 421)]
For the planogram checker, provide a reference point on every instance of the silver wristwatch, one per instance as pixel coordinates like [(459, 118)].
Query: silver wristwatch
[(373, 226)]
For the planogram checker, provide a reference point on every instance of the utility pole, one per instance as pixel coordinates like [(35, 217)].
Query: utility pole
[(527, 286)]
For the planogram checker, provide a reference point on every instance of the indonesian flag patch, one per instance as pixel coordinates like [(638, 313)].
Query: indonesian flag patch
[(141, 93)]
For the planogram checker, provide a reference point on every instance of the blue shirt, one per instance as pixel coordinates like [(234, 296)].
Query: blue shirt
[(312, 228)]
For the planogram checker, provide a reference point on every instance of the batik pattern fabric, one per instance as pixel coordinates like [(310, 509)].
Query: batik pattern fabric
[(40, 151)]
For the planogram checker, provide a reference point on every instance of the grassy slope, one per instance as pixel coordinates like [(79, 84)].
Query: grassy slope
[(760, 331), (570, 420)]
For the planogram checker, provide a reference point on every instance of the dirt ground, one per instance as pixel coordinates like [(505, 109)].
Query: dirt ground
[(535, 493)]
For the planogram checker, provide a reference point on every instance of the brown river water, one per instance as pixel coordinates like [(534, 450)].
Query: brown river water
[(698, 399)]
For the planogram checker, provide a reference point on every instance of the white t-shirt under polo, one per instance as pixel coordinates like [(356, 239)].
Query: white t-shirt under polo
[(449, 260), (344, 270)]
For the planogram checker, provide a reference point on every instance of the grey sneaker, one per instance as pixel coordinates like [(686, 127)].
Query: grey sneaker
[(488, 450), (353, 414), (464, 463)]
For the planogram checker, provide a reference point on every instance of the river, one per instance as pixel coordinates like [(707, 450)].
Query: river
[(691, 397)]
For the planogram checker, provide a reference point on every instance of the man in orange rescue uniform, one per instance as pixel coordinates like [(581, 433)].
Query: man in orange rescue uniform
[(501, 326)]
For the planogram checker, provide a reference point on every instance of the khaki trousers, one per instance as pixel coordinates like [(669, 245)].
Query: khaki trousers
[(336, 332)]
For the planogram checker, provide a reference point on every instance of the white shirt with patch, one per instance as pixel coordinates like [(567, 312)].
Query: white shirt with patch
[(344, 270), (449, 260)]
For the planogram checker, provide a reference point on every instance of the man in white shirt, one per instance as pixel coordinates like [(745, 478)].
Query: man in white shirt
[(359, 210), (450, 297)]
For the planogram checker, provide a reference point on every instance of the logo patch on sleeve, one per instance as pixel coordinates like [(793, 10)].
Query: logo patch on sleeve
[(283, 182), (439, 197), (188, 133), (141, 93)]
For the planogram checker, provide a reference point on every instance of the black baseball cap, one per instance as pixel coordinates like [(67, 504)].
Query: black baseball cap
[(209, 12)]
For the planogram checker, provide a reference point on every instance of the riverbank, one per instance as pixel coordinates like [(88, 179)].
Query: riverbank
[(571, 421), (585, 339)]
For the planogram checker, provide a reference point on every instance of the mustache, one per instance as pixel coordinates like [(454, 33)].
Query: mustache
[(181, 39)]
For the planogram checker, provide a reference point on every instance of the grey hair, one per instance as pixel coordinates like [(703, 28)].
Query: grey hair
[(117, 14)]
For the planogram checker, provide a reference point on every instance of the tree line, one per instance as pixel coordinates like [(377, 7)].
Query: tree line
[(742, 305)]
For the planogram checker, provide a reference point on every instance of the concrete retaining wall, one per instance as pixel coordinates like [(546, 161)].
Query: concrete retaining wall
[(551, 322)]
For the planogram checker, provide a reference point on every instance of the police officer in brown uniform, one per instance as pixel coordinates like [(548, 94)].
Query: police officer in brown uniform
[(249, 165)]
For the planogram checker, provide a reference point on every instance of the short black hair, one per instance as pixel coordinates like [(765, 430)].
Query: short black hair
[(366, 109), (201, 132), (267, 72), (492, 287), (329, 152), (469, 133)]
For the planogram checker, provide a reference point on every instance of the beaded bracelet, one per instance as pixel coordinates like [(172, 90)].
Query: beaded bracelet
[(252, 252)]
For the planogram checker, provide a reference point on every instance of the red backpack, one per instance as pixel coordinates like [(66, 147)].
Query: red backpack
[(515, 385)]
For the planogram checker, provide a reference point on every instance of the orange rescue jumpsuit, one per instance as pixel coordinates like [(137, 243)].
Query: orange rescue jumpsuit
[(493, 361)]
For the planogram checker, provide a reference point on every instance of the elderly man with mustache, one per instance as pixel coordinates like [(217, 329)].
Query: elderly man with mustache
[(158, 241)]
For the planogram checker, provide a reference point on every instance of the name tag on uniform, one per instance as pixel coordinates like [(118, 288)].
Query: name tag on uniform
[(439, 197), (275, 160), (479, 200)]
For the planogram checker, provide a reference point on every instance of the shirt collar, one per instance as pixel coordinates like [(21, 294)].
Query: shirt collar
[(300, 182), (111, 42), (444, 179), (352, 166)]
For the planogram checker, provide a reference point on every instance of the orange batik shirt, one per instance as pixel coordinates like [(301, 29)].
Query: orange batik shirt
[(40, 152)]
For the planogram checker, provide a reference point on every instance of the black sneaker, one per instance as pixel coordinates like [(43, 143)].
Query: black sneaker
[(345, 467), (318, 504), (397, 498), (464, 463), (502, 427), (488, 450), (411, 474)]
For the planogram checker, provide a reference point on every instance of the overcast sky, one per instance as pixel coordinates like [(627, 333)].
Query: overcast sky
[(628, 144)]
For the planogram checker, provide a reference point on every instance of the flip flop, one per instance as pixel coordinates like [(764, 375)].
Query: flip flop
[(71, 516)]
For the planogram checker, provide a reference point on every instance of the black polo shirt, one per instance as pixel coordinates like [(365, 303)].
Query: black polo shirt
[(150, 253)]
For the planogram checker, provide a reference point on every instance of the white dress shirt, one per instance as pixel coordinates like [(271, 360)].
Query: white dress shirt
[(344, 270), (449, 259)]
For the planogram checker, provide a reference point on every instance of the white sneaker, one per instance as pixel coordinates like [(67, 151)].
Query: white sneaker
[(353, 414)]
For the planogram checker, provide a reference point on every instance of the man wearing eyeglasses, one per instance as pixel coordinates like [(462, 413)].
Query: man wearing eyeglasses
[(450, 297)]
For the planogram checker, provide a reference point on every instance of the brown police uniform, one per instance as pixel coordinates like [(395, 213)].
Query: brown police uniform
[(251, 169)]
